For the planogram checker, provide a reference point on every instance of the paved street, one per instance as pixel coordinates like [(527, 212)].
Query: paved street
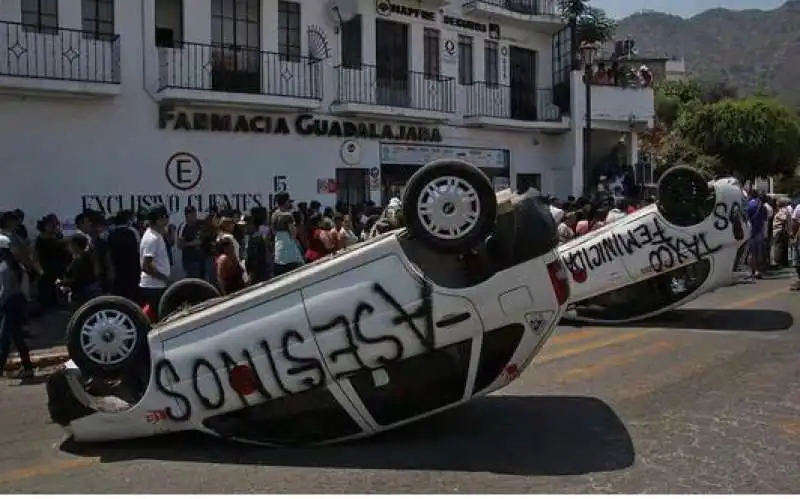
[(706, 399)]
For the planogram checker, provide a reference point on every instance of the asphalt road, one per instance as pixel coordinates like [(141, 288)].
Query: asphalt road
[(704, 400)]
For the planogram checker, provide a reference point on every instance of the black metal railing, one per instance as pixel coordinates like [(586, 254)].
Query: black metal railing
[(514, 102), (225, 68), (527, 7), (380, 86), (58, 54)]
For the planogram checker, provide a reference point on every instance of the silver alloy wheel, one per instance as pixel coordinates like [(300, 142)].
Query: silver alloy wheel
[(448, 207), (108, 337)]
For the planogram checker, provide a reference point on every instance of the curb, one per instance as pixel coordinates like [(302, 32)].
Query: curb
[(46, 358)]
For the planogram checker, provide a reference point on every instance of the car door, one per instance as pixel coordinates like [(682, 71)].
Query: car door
[(257, 375), (596, 262), (398, 348), (656, 246)]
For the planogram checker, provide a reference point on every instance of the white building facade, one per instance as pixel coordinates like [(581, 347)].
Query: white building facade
[(111, 104)]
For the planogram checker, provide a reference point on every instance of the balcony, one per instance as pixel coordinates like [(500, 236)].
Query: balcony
[(540, 15), (242, 77), (632, 105), (375, 91), (58, 61), (503, 106)]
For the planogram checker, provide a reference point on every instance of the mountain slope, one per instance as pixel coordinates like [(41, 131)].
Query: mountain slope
[(749, 49)]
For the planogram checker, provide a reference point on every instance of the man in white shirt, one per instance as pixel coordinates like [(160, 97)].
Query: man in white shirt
[(154, 258)]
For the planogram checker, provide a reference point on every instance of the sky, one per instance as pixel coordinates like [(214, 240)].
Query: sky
[(683, 8)]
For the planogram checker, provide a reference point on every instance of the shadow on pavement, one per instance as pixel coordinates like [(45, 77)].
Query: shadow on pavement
[(720, 320), (498, 434)]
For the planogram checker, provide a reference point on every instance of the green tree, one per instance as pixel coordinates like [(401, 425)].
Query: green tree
[(674, 150), (789, 185), (690, 90), (592, 24), (667, 108), (684, 91), (752, 137)]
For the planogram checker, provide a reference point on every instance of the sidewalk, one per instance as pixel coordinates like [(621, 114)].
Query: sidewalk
[(47, 341)]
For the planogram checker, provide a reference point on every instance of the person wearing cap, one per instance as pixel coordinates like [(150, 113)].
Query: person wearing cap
[(13, 307), (287, 255), (154, 258)]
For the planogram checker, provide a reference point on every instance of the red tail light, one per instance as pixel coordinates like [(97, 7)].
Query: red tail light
[(560, 281)]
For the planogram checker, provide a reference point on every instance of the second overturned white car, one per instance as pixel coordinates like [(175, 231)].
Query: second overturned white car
[(659, 257)]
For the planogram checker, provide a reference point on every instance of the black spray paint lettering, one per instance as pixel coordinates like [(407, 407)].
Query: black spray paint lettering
[(670, 251), (609, 248), (212, 396), (616, 245), (724, 216)]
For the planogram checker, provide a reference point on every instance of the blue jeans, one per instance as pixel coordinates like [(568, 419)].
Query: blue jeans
[(12, 319)]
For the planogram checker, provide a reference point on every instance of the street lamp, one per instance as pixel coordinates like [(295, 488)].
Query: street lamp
[(588, 53)]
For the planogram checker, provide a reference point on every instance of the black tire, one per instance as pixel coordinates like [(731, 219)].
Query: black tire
[(186, 292), (419, 223), (129, 350), (684, 196)]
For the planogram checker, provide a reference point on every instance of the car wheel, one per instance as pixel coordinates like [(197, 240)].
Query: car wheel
[(186, 292), (107, 335), (450, 205)]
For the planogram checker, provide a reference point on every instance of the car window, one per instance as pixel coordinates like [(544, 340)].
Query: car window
[(646, 296), (304, 268)]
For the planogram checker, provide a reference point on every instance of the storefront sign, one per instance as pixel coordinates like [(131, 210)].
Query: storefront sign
[(374, 178), (449, 52), (111, 204), (304, 124), (183, 172), (326, 186), (410, 154), (492, 29), (386, 8)]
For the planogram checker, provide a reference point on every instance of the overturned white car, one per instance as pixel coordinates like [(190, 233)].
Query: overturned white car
[(416, 321), (661, 256)]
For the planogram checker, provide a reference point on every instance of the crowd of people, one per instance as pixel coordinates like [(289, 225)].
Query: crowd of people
[(621, 75), (774, 224), (138, 256), (576, 217)]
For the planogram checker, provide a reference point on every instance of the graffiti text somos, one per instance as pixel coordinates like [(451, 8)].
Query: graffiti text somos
[(264, 371)]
